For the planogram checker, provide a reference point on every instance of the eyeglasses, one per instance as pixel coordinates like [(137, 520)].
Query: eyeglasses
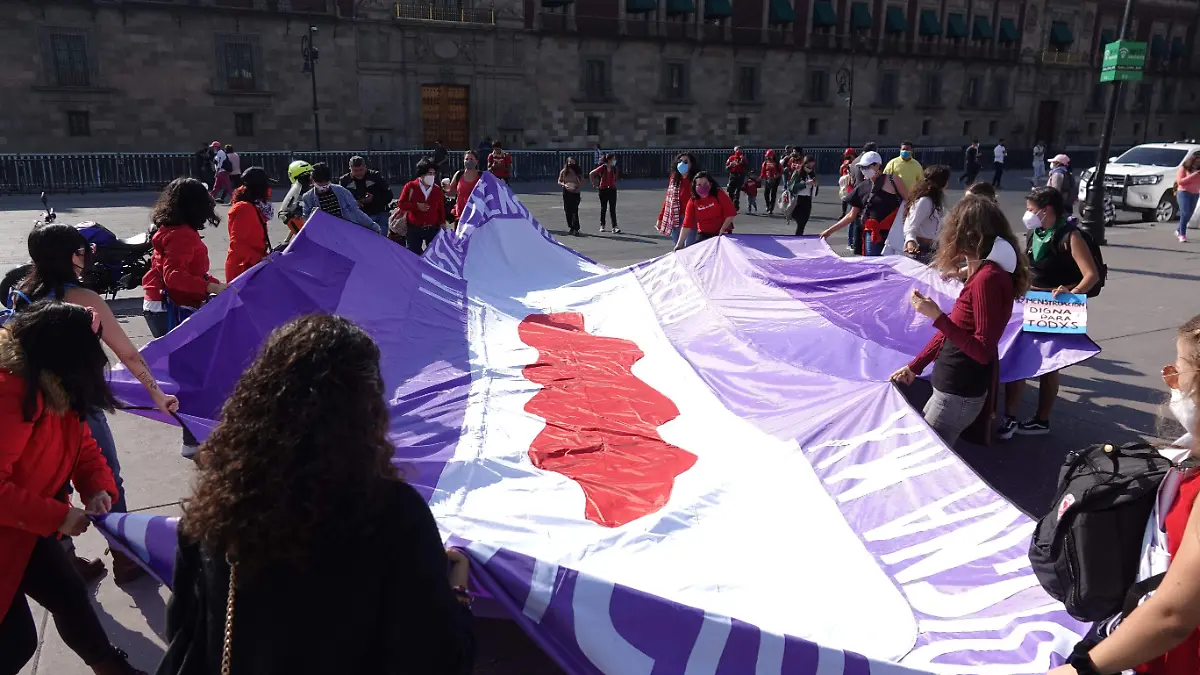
[(1170, 375)]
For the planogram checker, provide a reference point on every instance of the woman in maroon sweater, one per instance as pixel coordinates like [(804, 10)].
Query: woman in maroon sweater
[(965, 351)]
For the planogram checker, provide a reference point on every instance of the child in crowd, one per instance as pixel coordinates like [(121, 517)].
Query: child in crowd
[(750, 187)]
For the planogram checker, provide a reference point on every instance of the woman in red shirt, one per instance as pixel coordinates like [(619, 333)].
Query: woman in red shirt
[(570, 179), (249, 242), (500, 162), (965, 350), (463, 183), (178, 281), (709, 213), (421, 209), (51, 373), (604, 179), (679, 194), (770, 172)]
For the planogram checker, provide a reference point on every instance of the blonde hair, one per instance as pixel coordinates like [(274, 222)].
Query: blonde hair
[(970, 229)]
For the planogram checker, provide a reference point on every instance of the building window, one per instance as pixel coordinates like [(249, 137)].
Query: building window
[(79, 123), (812, 126), (973, 91), (675, 81), (672, 126), (243, 124), (70, 58), (966, 128), (748, 83), (743, 126), (999, 99), (932, 91), (1166, 100), (593, 125), (1144, 93), (882, 128), (1096, 102), (889, 89), (926, 125), (595, 79), (237, 62), (993, 128), (1091, 128), (818, 86)]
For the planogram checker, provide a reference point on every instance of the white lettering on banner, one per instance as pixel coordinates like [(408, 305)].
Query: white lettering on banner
[(962, 545), (895, 467), (510, 206), (1064, 641), (879, 433), (541, 590), (985, 624), (482, 203), (830, 661), (596, 635), (927, 599), (934, 515), (710, 644), (770, 654)]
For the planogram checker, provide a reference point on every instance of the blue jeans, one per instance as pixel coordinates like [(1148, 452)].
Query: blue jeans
[(98, 423), (1187, 206), (381, 220), (691, 237), (853, 233), (875, 247)]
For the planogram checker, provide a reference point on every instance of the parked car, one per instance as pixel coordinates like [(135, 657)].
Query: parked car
[(1143, 179)]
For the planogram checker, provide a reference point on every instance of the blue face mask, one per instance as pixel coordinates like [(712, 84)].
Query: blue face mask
[(683, 168), (904, 154)]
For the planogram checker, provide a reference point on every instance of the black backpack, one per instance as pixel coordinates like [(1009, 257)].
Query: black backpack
[(1086, 551), (1097, 254)]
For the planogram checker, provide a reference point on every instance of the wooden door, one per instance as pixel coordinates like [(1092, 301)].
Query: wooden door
[(444, 115), (1047, 119)]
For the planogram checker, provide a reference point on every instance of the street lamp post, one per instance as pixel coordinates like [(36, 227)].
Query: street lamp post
[(311, 54), (1093, 213)]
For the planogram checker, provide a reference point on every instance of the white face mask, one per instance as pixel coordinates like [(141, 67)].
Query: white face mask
[(869, 174), (1184, 410), (1031, 220), (427, 180)]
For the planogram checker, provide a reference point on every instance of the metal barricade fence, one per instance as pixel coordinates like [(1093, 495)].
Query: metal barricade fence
[(33, 173)]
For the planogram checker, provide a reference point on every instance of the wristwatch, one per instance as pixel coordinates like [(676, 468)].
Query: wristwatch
[(1081, 661)]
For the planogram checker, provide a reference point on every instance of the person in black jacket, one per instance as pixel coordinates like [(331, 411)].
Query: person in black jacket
[(335, 564), (370, 189)]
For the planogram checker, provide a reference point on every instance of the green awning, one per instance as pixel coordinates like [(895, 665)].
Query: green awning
[(1177, 48), (717, 9), (640, 6), (782, 12), (956, 25), (894, 21), (1060, 34), (681, 7), (824, 15), (860, 16), (1009, 32), (1158, 47), (931, 25), (981, 28)]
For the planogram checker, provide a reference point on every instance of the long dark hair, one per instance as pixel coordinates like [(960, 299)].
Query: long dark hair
[(572, 165), (301, 457), (1043, 197), (256, 187), (185, 201), (692, 168), (52, 249), (971, 229), (56, 339), (712, 183), (1192, 163), (933, 185)]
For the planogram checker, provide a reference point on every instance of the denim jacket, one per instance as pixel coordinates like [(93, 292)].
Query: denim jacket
[(346, 203)]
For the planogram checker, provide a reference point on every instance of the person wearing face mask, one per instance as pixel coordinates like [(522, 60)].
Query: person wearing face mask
[(570, 179), (679, 195), (333, 199), (421, 208), (736, 166), (803, 189), (463, 182), (1061, 179), (500, 163), (877, 198), (249, 213), (604, 179), (965, 352), (905, 167), (1061, 262), (771, 173), (1162, 635), (709, 213)]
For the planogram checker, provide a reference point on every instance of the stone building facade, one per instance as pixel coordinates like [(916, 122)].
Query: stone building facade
[(171, 75)]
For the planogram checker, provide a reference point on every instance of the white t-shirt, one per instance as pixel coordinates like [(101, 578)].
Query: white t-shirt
[(923, 221), (218, 159), (1039, 154), (998, 153)]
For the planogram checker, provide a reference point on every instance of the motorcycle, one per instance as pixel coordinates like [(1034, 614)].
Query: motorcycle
[(118, 264)]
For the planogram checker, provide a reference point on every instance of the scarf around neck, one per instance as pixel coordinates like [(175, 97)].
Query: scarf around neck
[(1042, 238)]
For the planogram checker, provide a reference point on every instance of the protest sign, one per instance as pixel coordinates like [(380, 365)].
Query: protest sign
[(1045, 313)]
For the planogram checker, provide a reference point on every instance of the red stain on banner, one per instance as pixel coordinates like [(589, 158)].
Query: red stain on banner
[(601, 420)]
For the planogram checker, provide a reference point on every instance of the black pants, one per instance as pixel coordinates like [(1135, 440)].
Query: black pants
[(735, 188), (419, 238), (571, 208), (701, 236), (969, 177), (999, 171), (53, 583), (608, 200), (801, 213), (770, 191)]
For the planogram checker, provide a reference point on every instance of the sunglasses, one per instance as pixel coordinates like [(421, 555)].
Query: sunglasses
[(1170, 375)]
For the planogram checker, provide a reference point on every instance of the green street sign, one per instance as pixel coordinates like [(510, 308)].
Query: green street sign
[(1123, 60)]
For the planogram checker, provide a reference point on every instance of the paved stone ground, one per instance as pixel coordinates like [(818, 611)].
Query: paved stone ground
[(1115, 396)]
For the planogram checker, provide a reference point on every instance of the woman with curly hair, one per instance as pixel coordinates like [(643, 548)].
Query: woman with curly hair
[(178, 281), (923, 213), (301, 535)]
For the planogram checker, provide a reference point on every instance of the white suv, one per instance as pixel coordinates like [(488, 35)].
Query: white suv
[(1143, 179)]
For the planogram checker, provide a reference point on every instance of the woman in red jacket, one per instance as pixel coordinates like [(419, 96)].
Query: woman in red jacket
[(770, 173), (679, 194), (965, 351), (178, 281), (499, 163), (249, 242), (420, 211), (709, 213), (51, 373)]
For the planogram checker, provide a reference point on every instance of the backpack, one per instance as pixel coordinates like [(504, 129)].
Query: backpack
[(1085, 552), (1097, 255)]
